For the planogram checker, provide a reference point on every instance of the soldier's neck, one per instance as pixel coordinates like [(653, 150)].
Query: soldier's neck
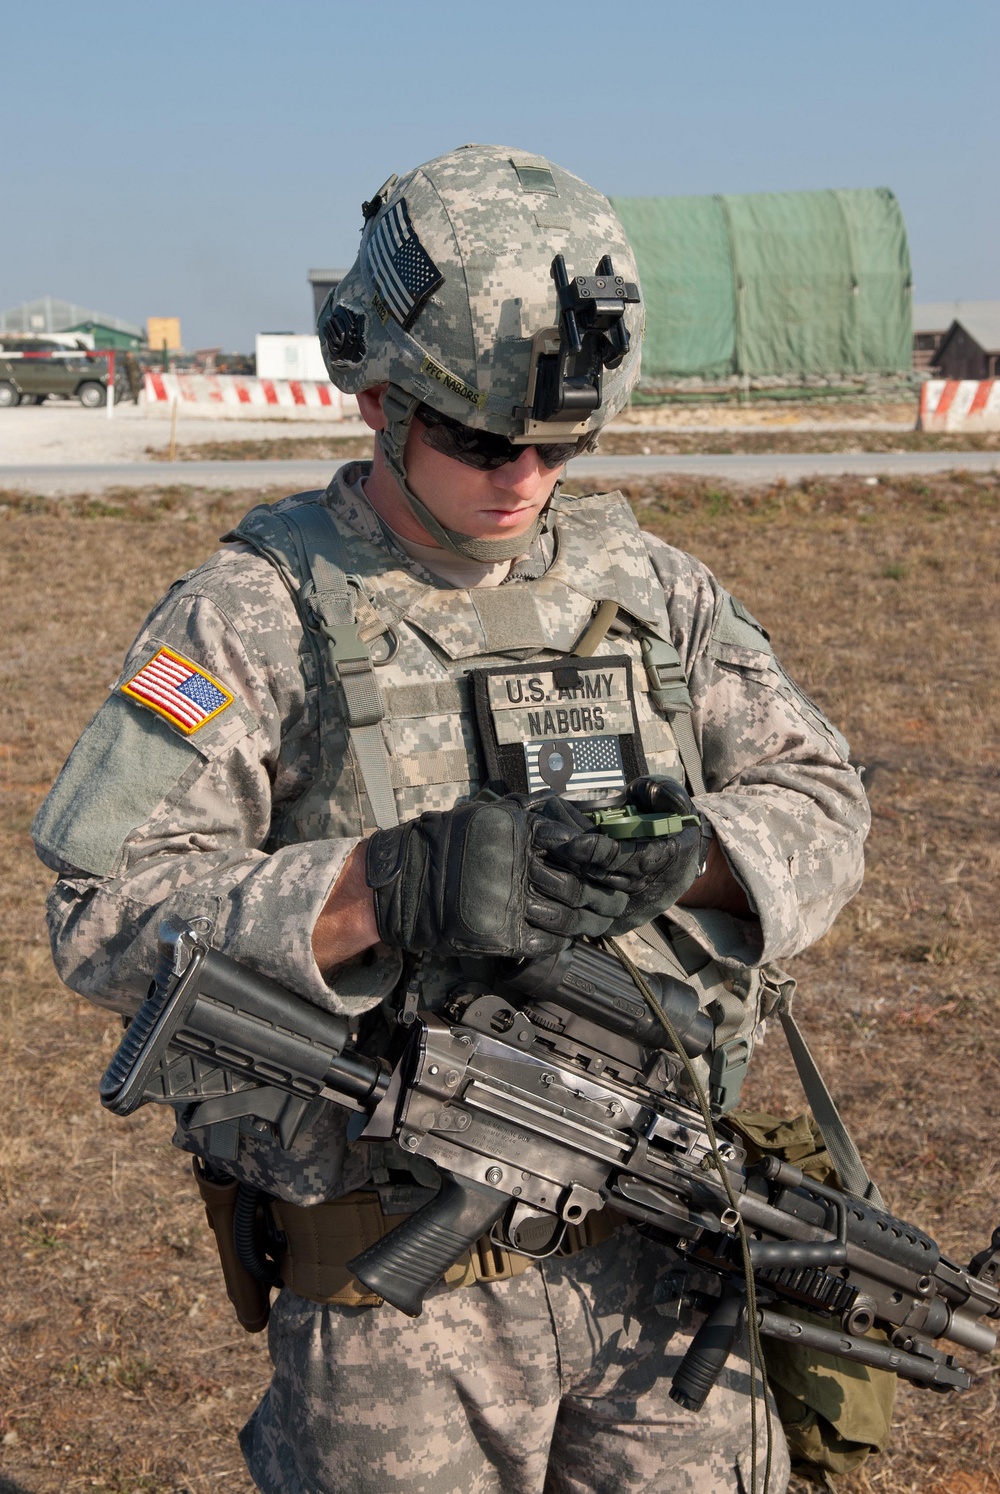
[(382, 492), (455, 569)]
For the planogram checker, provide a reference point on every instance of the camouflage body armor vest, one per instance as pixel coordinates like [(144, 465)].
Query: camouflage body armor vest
[(417, 694)]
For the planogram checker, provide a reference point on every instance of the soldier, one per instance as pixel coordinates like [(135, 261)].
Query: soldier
[(292, 755)]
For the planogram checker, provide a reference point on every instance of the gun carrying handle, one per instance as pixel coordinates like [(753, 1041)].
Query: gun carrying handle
[(404, 1265)]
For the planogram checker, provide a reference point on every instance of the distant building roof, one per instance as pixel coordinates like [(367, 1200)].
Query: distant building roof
[(326, 277), (937, 316), (48, 314), (982, 322)]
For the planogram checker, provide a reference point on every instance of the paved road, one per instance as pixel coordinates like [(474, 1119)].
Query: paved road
[(766, 467), (293, 475)]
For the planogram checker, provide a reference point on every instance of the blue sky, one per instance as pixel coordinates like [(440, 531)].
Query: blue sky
[(195, 158)]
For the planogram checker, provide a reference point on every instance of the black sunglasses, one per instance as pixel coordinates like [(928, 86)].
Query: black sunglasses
[(482, 449)]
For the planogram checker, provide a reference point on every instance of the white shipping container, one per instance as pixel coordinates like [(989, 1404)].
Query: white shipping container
[(283, 355)]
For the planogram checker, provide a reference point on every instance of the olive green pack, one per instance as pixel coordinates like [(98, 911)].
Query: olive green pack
[(835, 1413)]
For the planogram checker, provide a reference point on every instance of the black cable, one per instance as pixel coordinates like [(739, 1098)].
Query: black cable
[(756, 1355), (245, 1236)]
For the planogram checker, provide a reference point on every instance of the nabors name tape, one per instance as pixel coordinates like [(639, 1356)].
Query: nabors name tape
[(453, 382), (568, 726), (178, 690)]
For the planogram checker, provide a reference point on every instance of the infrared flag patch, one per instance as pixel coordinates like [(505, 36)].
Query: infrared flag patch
[(402, 269), (575, 765), (178, 691)]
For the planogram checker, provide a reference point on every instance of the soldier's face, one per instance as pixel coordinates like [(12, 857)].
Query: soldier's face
[(486, 505)]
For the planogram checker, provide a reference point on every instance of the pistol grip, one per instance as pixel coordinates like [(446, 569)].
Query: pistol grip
[(404, 1265)]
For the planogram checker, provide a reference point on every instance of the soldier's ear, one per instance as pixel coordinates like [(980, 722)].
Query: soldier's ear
[(370, 405)]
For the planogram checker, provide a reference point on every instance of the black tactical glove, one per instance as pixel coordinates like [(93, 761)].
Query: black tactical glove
[(471, 880), (654, 873)]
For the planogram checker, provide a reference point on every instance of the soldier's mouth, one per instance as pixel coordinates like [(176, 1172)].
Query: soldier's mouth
[(506, 518)]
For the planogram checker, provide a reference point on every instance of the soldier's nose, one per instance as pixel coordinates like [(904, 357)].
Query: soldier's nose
[(522, 475)]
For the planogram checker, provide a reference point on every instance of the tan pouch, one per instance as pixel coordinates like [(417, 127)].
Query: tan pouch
[(319, 1241)]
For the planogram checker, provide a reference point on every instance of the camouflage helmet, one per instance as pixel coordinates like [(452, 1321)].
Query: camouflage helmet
[(501, 291)]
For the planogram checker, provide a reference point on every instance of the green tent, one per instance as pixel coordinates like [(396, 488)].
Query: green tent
[(110, 337), (773, 283)]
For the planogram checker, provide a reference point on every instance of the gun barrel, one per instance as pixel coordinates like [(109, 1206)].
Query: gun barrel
[(966, 1330), (938, 1372)]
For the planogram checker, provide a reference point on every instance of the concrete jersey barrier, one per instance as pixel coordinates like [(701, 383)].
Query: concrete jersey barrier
[(960, 405), (231, 394)]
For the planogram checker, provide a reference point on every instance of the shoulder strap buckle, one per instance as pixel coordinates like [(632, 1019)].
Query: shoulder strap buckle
[(668, 690), (728, 1069), (667, 680)]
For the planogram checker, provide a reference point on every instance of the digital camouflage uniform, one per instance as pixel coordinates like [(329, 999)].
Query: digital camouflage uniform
[(785, 806), (558, 1378), (555, 1380)]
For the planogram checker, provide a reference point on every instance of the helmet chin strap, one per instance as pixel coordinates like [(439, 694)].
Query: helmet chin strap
[(399, 409)]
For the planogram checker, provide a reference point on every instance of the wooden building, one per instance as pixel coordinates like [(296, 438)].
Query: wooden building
[(957, 339), (971, 347)]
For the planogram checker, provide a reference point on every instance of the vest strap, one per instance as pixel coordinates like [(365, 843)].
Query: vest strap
[(668, 688), (726, 998), (326, 598), (596, 630), (429, 698)]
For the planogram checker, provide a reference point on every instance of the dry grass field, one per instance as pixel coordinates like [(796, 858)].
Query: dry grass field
[(668, 442), (121, 1368), (748, 442), (332, 449)]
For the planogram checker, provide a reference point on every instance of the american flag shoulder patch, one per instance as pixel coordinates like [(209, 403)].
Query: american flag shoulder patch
[(179, 691), (403, 271)]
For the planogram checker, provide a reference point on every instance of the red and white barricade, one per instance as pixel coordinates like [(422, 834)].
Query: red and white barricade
[(960, 405), (230, 394)]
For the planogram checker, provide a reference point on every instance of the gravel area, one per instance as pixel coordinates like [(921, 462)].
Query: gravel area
[(61, 433), (797, 415)]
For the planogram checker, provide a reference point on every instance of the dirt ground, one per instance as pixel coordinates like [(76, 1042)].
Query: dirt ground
[(231, 448), (121, 1368), (676, 442)]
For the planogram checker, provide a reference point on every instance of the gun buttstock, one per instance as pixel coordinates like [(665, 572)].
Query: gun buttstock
[(404, 1265)]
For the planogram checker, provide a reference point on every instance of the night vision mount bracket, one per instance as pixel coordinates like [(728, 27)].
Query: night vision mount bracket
[(568, 361)]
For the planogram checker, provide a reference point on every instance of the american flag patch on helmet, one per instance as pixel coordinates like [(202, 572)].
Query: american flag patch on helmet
[(403, 271), (178, 691)]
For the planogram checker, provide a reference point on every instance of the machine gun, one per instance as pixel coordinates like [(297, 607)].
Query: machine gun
[(541, 1096)]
